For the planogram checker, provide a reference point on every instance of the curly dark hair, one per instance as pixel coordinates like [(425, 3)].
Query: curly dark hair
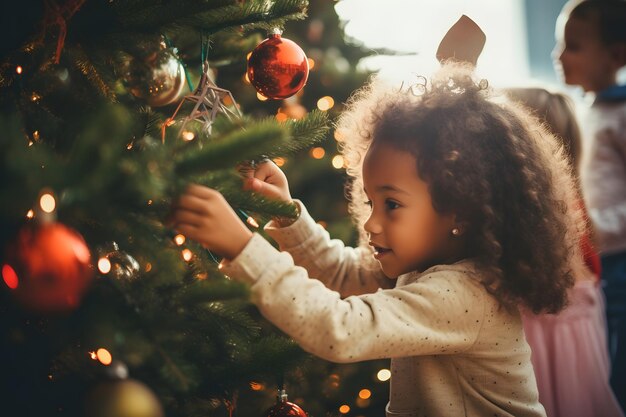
[(493, 165)]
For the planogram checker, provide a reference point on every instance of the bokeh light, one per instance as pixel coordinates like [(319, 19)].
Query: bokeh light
[(325, 103), (104, 265), (383, 375), (47, 202), (9, 276)]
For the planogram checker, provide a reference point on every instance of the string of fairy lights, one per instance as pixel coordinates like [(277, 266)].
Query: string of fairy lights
[(362, 399)]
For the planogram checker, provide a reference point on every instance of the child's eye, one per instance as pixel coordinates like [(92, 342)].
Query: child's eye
[(391, 205)]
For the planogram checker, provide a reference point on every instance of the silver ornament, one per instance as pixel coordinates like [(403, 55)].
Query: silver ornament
[(123, 266)]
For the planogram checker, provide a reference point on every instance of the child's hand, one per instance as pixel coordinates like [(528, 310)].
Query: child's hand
[(268, 180), (202, 214)]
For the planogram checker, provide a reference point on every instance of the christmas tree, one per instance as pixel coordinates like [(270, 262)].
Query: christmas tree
[(109, 109)]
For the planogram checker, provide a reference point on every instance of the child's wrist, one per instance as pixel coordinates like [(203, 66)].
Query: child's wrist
[(283, 221)]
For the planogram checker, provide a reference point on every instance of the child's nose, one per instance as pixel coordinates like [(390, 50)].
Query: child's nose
[(372, 226), (557, 52)]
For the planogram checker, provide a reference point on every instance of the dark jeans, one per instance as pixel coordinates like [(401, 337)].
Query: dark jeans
[(614, 285)]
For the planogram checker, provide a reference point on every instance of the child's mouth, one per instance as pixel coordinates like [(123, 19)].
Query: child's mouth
[(380, 252)]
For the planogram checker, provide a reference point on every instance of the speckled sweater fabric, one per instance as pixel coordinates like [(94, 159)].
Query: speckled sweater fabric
[(454, 351)]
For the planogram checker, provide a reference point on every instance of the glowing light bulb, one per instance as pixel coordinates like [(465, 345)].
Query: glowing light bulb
[(344, 409), (104, 356), (104, 265), (187, 255), (179, 239), (311, 63), (383, 375), (19, 69), (325, 103), (337, 161), (188, 136), (279, 161), (47, 202), (365, 393), (30, 214), (317, 153)]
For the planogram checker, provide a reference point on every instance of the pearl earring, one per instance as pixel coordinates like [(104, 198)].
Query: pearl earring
[(455, 231)]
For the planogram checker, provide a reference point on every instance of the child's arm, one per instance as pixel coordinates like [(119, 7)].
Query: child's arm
[(202, 214), (441, 313), (605, 190), (347, 270), (350, 271)]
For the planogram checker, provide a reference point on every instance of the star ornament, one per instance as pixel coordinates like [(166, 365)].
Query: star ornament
[(208, 101)]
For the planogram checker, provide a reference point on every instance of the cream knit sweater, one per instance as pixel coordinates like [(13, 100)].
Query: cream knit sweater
[(454, 351)]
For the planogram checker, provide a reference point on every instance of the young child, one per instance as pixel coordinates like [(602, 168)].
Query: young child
[(469, 211), (591, 49), (578, 334)]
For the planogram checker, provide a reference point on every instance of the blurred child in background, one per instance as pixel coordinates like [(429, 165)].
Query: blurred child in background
[(590, 52), (569, 349)]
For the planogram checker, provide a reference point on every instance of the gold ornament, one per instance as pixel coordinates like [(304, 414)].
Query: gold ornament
[(125, 398), (158, 77)]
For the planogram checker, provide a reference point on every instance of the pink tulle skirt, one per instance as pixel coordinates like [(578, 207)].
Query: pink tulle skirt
[(570, 357)]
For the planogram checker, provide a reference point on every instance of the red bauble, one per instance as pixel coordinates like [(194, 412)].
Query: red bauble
[(48, 267), (278, 67), (285, 409)]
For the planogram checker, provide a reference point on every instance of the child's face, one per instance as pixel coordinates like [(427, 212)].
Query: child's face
[(404, 228), (583, 58)]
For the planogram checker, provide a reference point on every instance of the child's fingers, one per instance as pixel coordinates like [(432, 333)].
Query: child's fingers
[(191, 203), (264, 188), (182, 216), (265, 171), (252, 184)]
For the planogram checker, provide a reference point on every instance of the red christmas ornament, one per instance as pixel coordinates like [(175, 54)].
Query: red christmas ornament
[(278, 67), (48, 267), (284, 408)]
